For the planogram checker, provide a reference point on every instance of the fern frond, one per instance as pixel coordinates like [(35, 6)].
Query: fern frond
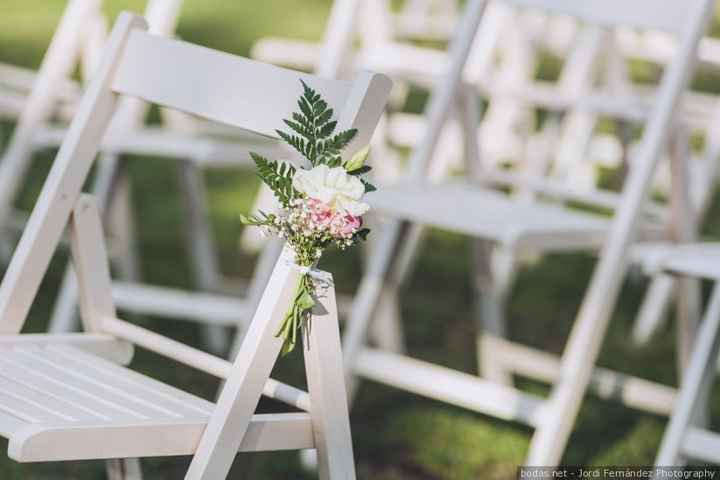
[(313, 130), (278, 177), (329, 151)]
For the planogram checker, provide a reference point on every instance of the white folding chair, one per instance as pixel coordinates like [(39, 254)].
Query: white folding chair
[(73, 40), (692, 207), (80, 37), (578, 151), (64, 396), (500, 221), (32, 98), (686, 436), (375, 23)]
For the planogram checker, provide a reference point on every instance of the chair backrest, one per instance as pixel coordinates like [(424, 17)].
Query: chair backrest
[(594, 100), (206, 83), (234, 90), (666, 15)]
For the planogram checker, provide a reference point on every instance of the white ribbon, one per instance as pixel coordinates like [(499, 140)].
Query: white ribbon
[(323, 278)]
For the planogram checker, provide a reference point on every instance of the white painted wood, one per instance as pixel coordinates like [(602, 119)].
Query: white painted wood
[(107, 179), (171, 421), (684, 226), (155, 141), (243, 387), (653, 309), (117, 469), (326, 384), (121, 224), (702, 445), (287, 431), (500, 218), (22, 79), (208, 152), (361, 111), (90, 260), (65, 180), (698, 378), (337, 43), (198, 359), (198, 231), (575, 370), (181, 304), (63, 52), (287, 52), (263, 270), (194, 92), (494, 270), (102, 345), (593, 318), (633, 392), (670, 16), (448, 385)]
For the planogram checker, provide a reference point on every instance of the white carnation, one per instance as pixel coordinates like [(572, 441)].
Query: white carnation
[(334, 187)]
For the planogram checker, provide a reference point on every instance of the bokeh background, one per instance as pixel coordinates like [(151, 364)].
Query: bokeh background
[(396, 435)]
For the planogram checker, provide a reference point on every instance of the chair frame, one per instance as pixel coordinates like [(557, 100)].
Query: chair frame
[(686, 436), (130, 49), (575, 370)]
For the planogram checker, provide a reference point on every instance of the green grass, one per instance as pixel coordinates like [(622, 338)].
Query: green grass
[(397, 435)]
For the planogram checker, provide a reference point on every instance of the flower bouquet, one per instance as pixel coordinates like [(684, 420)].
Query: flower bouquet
[(321, 206)]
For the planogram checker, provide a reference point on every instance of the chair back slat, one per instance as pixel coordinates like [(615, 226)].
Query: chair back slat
[(219, 86), (666, 15)]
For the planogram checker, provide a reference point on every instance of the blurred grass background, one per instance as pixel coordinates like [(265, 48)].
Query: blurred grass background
[(396, 435)]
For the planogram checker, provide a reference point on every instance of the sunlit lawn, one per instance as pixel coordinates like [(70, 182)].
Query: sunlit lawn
[(396, 435)]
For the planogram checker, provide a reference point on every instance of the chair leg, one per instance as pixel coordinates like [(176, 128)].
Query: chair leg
[(695, 386), (689, 305), (386, 328), (123, 469), (65, 311), (654, 308), (263, 270), (494, 272), (366, 298), (326, 387), (121, 226), (199, 234), (57, 65)]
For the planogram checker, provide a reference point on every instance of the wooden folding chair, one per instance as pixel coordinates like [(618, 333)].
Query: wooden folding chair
[(32, 98), (79, 39), (375, 23), (497, 220), (64, 396), (569, 152), (691, 208), (72, 40), (686, 436)]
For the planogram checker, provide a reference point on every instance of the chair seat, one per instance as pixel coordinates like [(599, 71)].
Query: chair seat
[(695, 259), (492, 215), (60, 402)]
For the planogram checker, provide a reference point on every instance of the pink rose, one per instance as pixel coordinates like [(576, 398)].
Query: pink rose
[(350, 225), (321, 213)]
